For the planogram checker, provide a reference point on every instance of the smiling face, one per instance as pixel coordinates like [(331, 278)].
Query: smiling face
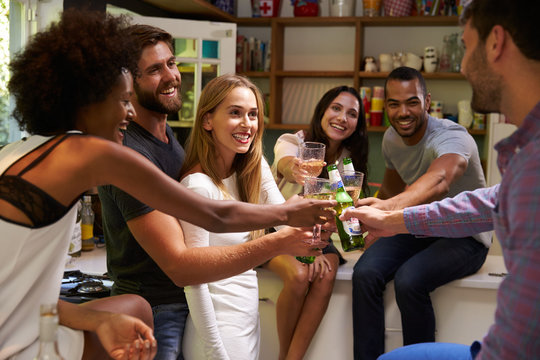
[(233, 123), (109, 118), (158, 85), (341, 117), (486, 85), (407, 109)]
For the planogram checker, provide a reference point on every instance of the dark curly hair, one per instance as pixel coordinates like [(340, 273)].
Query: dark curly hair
[(357, 143), (74, 63)]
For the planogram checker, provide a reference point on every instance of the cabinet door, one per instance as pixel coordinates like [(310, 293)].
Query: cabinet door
[(203, 50)]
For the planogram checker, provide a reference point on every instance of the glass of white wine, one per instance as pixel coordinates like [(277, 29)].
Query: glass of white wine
[(316, 188), (312, 156), (352, 181)]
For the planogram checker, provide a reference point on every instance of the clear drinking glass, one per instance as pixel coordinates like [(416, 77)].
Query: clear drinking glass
[(352, 181), (312, 156), (316, 188)]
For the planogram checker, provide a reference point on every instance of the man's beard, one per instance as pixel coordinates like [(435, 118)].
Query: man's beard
[(486, 85), (151, 102)]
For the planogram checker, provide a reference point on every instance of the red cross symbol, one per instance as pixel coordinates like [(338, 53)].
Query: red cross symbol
[(266, 7)]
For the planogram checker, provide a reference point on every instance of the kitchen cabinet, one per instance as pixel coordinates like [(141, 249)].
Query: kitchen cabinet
[(309, 55)]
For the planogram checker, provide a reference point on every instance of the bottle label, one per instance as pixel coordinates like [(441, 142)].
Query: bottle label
[(352, 226), (335, 179)]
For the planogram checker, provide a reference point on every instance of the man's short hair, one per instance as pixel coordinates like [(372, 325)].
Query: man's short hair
[(404, 73)]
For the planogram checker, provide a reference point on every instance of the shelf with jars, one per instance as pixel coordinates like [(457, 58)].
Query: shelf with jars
[(342, 66)]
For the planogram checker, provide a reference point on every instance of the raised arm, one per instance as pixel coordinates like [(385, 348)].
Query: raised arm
[(472, 210), (433, 185), (109, 163), (161, 236)]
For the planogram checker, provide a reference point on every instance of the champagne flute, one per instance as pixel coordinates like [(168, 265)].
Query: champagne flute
[(312, 156), (316, 188)]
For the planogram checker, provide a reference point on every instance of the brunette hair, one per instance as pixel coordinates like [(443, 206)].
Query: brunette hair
[(519, 18), (72, 64), (357, 143), (147, 35), (200, 147)]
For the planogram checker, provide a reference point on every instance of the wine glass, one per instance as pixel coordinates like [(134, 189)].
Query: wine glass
[(312, 156), (320, 189), (352, 181)]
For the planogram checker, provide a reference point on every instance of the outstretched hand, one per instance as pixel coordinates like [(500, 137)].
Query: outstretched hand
[(127, 338), (306, 212), (377, 222)]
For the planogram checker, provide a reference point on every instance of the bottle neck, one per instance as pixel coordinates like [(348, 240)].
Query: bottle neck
[(48, 328), (335, 180)]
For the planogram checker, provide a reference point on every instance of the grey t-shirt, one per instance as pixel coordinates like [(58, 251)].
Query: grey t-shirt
[(442, 137)]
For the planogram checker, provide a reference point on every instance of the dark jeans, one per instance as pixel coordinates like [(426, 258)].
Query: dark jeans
[(418, 266), (169, 323)]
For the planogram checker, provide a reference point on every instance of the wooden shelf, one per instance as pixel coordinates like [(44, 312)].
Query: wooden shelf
[(193, 9), (335, 74), (256, 74), (435, 75), (277, 74)]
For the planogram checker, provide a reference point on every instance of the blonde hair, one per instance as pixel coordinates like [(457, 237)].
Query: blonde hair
[(201, 149)]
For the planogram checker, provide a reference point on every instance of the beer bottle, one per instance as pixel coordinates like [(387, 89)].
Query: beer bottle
[(347, 164), (87, 224), (349, 231)]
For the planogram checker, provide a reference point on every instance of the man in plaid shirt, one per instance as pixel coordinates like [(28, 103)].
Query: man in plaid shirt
[(502, 63)]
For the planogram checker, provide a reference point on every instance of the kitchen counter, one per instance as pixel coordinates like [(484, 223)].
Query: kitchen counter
[(90, 262), (464, 310)]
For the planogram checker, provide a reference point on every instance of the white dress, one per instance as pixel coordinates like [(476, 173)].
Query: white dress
[(224, 315), (32, 265)]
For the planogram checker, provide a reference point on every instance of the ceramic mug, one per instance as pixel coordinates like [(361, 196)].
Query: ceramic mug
[(413, 61), (430, 59), (385, 62)]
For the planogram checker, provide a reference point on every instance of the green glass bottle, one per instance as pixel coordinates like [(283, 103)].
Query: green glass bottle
[(349, 231), (348, 164)]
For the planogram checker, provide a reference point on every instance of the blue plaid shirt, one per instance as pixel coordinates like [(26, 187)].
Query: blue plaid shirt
[(513, 210)]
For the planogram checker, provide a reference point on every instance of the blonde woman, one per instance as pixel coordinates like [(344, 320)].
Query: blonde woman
[(224, 161)]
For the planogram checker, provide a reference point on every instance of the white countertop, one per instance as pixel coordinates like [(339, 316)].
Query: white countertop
[(95, 263), (90, 262)]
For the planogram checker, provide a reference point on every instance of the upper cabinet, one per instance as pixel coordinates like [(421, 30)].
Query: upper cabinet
[(309, 55)]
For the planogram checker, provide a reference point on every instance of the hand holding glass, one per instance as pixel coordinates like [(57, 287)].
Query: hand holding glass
[(316, 188), (312, 156)]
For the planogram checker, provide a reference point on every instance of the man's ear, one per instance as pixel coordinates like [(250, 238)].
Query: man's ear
[(495, 42), (428, 102), (207, 122)]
